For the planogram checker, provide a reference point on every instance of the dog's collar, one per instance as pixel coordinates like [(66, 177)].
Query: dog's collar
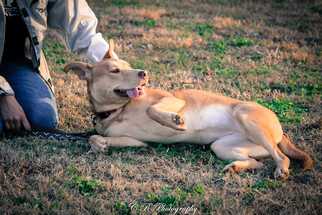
[(101, 115), (104, 114)]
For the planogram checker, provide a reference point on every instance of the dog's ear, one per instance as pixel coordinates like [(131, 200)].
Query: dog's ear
[(82, 70), (110, 54)]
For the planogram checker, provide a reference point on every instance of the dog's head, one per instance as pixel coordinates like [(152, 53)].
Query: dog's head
[(112, 82)]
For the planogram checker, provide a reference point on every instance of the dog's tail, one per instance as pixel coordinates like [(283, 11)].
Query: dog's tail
[(292, 151)]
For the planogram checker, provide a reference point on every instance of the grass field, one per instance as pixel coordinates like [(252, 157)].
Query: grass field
[(264, 51)]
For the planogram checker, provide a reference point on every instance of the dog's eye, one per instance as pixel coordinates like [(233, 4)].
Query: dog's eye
[(115, 71)]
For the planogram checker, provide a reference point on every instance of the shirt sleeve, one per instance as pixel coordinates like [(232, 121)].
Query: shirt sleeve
[(5, 86), (77, 23)]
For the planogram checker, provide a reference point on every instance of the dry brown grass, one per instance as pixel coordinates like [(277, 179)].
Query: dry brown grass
[(295, 52), (225, 22), (151, 13), (183, 44), (170, 38)]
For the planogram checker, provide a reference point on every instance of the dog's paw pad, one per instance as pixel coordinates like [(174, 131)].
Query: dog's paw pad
[(178, 120)]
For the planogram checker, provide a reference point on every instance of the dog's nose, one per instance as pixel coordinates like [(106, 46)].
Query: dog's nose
[(142, 74)]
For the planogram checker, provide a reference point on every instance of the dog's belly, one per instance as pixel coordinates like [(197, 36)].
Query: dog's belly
[(218, 118), (210, 123), (203, 126)]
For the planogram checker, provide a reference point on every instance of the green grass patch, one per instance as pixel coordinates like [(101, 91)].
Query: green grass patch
[(55, 52), (124, 3), (203, 29), (218, 46), (27, 201), (318, 52), (305, 73), (260, 70), (240, 42), (266, 184), (138, 64), (182, 57), (187, 152), (223, 2), (167, 196), (72, 170), (85, 186), (256, 56), (199, 68), (227, 72), (216, 202), (286, 110), (198, 190), (316, 9), (175, 196), (248, 198), (216, 63), (148, 23), (122, 208), (304, 89), (168, 151), (19, 200)]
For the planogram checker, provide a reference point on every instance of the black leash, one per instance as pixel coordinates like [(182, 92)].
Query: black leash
[(52, 134), (56, 134)]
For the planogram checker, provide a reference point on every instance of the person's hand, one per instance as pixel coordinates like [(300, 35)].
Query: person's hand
[(12, 114)]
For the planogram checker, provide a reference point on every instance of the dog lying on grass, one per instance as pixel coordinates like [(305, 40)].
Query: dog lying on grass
[(129, 114)]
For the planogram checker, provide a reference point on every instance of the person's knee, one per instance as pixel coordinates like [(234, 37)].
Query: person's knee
[(1, 126), (43, 116)]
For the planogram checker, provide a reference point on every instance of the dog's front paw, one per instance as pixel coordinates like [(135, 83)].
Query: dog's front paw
[(232, 168), (98, 143)]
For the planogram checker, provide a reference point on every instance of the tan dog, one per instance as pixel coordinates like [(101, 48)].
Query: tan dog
[(129, 115)]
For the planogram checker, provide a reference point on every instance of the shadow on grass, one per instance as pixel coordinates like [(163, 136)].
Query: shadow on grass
[(32, 144), (183, 152)]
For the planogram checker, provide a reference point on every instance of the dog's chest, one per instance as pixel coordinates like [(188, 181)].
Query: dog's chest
[(137, 124)]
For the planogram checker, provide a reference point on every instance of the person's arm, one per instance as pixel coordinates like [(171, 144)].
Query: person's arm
[(77, 23), (11, 113)]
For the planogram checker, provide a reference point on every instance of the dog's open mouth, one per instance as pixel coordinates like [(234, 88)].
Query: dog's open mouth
[(132, 93)]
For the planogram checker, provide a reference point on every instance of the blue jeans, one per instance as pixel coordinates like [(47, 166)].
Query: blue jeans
[(32, 93)]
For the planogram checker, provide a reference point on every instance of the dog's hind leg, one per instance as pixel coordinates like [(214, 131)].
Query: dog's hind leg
[(100, 143), (167, 112), (261, 126), (241, 151)]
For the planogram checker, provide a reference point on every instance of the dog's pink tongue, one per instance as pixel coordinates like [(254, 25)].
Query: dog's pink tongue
[(132, 93)]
